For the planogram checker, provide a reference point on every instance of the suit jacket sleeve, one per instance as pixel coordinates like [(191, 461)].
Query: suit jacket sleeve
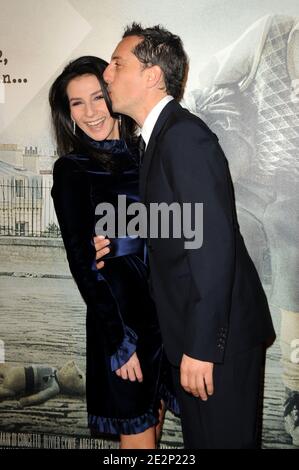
[(198, 173), (71, 196)]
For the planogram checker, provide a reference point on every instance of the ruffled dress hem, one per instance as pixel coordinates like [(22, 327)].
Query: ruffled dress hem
[(122, 426), (135, 425)]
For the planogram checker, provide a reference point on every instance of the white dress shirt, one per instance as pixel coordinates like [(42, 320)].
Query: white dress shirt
[(152, 118)]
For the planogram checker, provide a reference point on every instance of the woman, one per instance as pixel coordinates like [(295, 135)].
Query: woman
[(125, 360)]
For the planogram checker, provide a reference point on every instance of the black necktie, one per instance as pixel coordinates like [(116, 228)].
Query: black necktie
[(141, 149)]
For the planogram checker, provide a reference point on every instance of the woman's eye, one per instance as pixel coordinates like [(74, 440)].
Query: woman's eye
[(75, 103), (99, 97)]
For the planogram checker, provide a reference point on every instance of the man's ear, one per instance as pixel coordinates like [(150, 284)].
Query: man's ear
[(154, 76)]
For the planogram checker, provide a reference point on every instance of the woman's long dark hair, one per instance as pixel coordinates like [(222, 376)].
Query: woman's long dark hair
[(61, 117)]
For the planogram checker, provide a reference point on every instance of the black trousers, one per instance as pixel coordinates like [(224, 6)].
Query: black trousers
[(231, 417)]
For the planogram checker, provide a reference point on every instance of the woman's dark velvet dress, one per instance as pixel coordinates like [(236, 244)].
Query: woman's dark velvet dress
[(121, 317)]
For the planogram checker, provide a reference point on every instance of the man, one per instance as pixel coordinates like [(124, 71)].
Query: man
[(212, 309), (249, 94)]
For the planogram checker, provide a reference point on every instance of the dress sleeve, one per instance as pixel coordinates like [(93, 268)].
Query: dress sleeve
[(71, 196), (125, 350)]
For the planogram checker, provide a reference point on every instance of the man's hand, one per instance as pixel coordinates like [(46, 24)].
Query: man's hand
[(131, 370), (101, 245), (197, 377)]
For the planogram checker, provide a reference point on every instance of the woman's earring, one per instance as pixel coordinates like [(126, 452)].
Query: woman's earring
[(119, 123), (74, 127)]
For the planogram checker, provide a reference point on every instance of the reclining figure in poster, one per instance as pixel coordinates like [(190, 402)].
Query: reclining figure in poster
[(37, 383)]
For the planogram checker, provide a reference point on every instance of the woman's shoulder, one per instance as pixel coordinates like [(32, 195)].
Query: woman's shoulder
[(71, 162)]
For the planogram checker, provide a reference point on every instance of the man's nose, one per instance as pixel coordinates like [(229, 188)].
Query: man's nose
[(107, 75)]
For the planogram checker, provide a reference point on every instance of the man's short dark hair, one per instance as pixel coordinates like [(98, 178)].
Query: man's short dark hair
[(160, 47)]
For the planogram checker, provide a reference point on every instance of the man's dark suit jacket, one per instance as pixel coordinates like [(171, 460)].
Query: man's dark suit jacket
[(210, 301)]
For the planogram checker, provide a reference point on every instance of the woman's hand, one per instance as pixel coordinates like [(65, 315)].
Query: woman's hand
[(101, 245), (131, 370)]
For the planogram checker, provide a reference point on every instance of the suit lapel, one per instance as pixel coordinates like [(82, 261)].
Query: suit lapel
[(150, 149)]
